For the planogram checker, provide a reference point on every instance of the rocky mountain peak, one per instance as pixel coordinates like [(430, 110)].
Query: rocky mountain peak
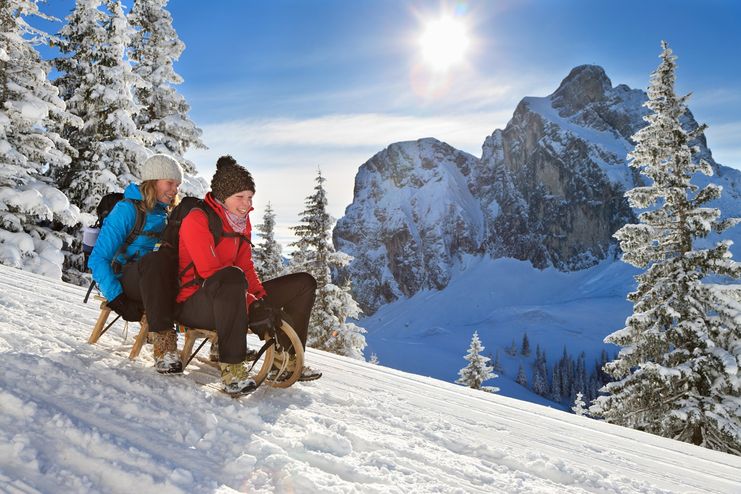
[(548, 188), (585, 84)]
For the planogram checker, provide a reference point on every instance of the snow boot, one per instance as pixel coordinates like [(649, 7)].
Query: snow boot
[(307, 373), (166, 356), (235, 379)]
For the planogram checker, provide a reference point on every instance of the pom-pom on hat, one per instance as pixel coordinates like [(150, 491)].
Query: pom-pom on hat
[(161, 167), (230, 178)]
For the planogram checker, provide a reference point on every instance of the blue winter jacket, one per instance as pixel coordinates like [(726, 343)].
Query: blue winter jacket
[(116, 227)]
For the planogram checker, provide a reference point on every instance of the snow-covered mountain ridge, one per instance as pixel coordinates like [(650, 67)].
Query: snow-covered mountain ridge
[(548, 189), (81, 418)]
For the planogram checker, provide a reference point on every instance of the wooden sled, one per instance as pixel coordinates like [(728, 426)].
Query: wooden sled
[(264, 364)]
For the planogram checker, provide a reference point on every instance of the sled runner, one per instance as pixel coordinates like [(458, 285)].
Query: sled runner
[(271, 351)]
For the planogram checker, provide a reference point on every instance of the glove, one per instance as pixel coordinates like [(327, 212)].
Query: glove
[(130, 310), (264, 317)]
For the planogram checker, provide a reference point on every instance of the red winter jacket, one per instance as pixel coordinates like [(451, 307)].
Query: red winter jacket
[(197, 245)]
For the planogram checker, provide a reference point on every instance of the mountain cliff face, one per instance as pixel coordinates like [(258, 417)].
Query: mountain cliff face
[(412, 215), (548, 189)]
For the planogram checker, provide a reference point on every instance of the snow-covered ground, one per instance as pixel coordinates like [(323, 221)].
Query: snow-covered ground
[(503, 299), (79, 418)]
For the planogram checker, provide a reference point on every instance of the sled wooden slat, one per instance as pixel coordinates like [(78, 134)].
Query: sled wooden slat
[(105, 312), (140, 339)]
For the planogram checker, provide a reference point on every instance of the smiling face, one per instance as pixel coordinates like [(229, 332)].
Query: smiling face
[(167, 190), (239, 203)]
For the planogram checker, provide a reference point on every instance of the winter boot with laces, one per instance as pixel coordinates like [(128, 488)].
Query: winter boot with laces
[(166, 356), (307, 373), (235, 379)]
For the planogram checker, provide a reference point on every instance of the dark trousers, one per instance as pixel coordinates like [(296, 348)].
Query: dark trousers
[(294, 294), (220, 305), (152, 280)]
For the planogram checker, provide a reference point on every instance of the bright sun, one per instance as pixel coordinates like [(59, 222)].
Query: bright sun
[(444, 43)]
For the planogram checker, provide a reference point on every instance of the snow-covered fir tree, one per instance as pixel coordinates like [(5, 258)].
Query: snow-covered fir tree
[(555, 394), (373, 359), (268, 252), (521, 378), (32, 211), (579, 407), (512, 349), (497, 365), (540, 373), (478, 369), (525, 347), (328, 328), (678, 367), (98, 79), (163, 113)]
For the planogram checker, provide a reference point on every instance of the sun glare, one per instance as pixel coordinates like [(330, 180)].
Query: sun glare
[(444, 43)]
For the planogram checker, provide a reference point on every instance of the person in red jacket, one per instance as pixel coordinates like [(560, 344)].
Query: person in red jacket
[(219, 285)]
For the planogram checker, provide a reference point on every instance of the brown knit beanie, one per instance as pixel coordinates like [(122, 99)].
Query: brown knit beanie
[(230, 178)]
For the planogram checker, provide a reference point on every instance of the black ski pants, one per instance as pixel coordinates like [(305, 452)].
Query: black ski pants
[(220, 305), (152, 281)]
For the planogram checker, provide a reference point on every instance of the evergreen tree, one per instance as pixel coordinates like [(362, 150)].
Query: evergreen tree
[(328, 327), (373, 359), (579, 384), (163, 115), (525, 347), (32, 211), (521, 378), (267, 254), (566, 373), (579, 407), (540, 373), (556, 384), (678, 368), (478, 370), (98, 78), (512, 349), (497, 366)]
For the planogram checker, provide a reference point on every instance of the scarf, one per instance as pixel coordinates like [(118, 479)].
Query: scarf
[(238, 223)]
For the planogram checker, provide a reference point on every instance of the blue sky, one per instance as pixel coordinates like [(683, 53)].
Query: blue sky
[(286, 86)]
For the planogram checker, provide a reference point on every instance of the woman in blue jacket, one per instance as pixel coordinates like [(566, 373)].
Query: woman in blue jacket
[(132, 277)]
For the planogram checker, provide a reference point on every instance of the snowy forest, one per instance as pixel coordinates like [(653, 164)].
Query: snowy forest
[(78, 126)]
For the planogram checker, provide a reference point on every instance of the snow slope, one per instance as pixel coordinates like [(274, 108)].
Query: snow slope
[(81, 418)]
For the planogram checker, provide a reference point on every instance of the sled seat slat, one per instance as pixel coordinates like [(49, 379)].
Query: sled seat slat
[(100, 328)]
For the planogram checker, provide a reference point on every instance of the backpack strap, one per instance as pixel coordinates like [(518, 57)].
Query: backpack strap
[(216, 227), (136, 231)]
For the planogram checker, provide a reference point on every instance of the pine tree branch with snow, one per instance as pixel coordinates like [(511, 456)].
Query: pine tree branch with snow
[(677, 370), (96, 83), (34, 215), (267, 253), (162, 116), (328, 328)]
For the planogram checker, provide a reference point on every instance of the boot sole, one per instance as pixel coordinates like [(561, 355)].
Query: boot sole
[(170, 371)]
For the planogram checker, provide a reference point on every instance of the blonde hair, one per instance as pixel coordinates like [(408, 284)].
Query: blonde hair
[(148, 189)]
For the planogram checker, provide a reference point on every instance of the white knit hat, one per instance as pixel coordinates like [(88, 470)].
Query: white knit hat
[(161, 167)]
